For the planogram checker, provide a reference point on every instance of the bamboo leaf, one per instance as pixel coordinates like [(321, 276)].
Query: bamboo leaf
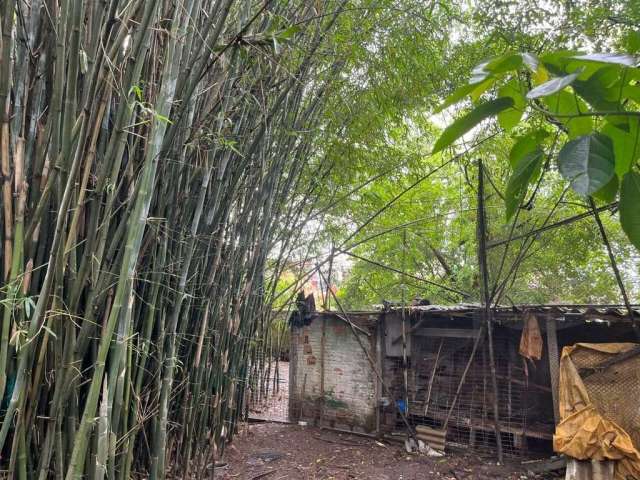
[(473, 89)]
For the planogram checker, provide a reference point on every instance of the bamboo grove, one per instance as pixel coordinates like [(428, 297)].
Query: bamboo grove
[(155, 159)]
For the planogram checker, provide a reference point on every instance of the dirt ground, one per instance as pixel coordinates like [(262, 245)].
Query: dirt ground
[(275, 451)]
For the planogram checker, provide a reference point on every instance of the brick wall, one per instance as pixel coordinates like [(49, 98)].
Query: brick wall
[(347, 396)]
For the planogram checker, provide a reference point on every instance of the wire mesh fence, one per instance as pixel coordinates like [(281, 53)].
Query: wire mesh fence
[(434, 373)]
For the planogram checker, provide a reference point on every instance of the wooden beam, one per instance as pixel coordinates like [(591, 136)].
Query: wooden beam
[(410, 331), (447, 332), (462, 421)]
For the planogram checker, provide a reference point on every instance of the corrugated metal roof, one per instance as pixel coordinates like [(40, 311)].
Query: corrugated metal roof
[(583, 310), (502, 314)]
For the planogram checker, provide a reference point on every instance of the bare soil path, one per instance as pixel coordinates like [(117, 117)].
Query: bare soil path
[(274, 451)]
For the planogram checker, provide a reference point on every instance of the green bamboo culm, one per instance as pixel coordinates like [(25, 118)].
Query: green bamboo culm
[(157, 169)]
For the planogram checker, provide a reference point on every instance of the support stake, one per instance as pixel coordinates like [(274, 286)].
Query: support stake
[(614, 267)]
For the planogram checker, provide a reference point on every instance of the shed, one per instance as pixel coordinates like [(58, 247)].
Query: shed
[(356, 370)]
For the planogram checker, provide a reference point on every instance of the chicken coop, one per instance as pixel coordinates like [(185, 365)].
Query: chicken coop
[(431, 365)]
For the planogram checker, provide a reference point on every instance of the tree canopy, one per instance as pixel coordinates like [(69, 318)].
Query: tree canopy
[(446, 85)]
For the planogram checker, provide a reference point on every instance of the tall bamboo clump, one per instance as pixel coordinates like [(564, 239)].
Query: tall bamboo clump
[(154, 156)]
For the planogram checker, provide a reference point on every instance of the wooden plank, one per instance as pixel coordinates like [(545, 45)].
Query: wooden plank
[(515, 381), (446, 332), (554, 365), (546, 465)]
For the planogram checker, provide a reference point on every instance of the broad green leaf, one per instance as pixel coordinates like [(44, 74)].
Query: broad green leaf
[(504, 63), (565, 103), (585, 69), (526, 170), (609, 76), (461, 92), (631, 92), (588, 163), (617, 58), (632, 41), (510, 117), (540, 76), (602, 89), (462, 125), (626, 145), (481, 88), (630, 207), (552, 86), (526, 144), (531, 61), (609, 191), (479, 73), (556, 62)]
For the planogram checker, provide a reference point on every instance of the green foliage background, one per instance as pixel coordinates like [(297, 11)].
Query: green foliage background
[(382, 123)]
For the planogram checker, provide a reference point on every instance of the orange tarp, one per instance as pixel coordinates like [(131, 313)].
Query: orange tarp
[(592, 408)]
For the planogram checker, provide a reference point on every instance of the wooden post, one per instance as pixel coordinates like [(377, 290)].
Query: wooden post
[(603, 469), (554, 365), (293, 372), (404, 327), (323, 340), (486, 300), (589, 470)]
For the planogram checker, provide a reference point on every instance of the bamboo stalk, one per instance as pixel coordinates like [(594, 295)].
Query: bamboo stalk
[(144, 207), (486, 301)]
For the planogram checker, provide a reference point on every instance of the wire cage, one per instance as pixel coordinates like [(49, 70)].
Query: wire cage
[(434, 371)]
